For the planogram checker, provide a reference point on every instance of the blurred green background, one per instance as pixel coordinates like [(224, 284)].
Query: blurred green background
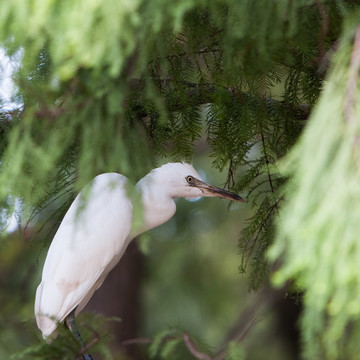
[(186, 278)]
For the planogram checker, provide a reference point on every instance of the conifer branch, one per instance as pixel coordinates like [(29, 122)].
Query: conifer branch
[(197, 94), (193, 349), (204, 51), (189, 343), (203, 93), (261, 221)]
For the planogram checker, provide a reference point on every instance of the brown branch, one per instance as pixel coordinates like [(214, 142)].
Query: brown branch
[(135, 341), (325, 21), (350, 93), (88, 346), (353, 79), (237, 338), (190, 345), (187, 341), (263, 300), (197, 94), (193, 349)]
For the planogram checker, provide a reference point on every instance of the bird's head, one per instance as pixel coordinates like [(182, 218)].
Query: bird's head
[(182, 180)]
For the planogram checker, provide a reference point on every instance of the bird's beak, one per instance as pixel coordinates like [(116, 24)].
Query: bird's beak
[(210, 190)]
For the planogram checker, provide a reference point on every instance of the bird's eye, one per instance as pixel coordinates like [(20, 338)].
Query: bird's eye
[(190, 179)]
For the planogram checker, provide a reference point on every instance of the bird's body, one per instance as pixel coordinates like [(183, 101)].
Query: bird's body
[(87, 245), (96, 230)]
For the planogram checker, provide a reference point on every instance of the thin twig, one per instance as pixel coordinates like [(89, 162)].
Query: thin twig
[(206, 50), (193, 349), (90, 344), (238, 339), (267, 162), (245, 257), (187, 341), (251, 315), (264, 300), (230, 176), (135, 341)]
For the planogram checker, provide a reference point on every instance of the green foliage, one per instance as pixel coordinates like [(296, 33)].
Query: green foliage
[(66, 347), (156, 345), (174, 343), (139, 81), (318, 227), (235, 352), (118, 87)]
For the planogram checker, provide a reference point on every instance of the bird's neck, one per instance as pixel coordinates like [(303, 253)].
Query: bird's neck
[(155, 208)]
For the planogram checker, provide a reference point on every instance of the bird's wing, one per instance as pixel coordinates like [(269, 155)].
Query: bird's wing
[(89, 242)]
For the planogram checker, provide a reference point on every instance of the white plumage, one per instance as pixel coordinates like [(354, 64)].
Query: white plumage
[(96, 230)]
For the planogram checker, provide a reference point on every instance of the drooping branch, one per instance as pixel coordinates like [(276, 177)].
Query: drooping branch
[(197, 94), (194, 350), (262, 302), (185, 337)]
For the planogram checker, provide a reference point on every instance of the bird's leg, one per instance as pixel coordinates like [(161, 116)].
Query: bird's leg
[(71, 325)]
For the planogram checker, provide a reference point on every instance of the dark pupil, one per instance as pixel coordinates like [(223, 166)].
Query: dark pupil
[(190, 179)]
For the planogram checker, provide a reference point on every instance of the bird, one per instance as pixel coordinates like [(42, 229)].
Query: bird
[(96, 231)]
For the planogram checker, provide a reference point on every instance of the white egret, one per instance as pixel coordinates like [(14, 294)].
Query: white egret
[(91, 240)]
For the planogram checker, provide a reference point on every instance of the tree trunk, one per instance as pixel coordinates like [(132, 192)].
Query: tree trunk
[(120, 296)]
